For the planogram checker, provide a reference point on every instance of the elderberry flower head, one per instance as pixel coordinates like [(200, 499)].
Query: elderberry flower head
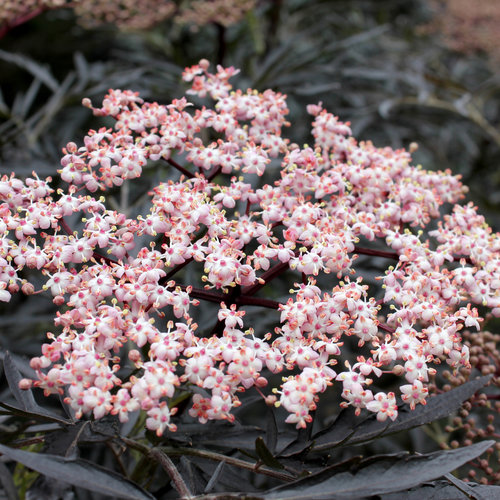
[(119, 284)]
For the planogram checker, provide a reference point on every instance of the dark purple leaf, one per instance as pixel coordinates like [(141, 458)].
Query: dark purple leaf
[(25, 397), (49, 417), (271, 431), (265, 455), (349, 429), (7, 483), (443, 490), (80, 473), (378, 475)]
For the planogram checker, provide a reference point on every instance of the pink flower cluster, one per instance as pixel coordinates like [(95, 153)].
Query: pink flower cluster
[(128, 14), (123, 312)]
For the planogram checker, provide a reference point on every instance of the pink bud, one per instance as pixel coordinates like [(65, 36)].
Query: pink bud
[(28, 289), (36, 363), (25, 384), (58, 300), (261, 382), (204, 64), (127, 237), (398, 370), (314, 109), (271, 400), (134, 355), (71, 147)]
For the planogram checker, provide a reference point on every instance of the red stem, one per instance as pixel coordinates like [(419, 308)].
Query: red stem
[(376, 253), (267, 276), (65, 226), (217, 297), (180, 168), (386, 328), (24, 18)]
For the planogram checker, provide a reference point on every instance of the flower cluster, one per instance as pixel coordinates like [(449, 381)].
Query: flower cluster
[(224, 12), (123, 312), (128, 13), (467, 28)]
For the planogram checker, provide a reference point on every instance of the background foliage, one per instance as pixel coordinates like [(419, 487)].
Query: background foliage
[(396, 71)]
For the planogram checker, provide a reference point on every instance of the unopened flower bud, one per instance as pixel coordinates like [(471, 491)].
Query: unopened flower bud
[(270, 400), (261, 382), (127, 237), (25, 384), (134, 355), (71, 147), (398, 370), (58, 300), (36, 363), (28, 289), (204, 64)]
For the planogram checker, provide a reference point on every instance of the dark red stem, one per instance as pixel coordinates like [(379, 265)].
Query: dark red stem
[(21, 20), (267, 276), (180, 168), (217, 297), (376, 253)]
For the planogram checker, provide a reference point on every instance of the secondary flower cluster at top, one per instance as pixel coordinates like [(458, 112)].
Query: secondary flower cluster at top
[(129, 14), (467, 27), (113, 276)]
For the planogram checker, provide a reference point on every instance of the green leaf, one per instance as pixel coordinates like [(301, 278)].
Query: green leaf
[(80, 473), (345, 431), (378, 475)]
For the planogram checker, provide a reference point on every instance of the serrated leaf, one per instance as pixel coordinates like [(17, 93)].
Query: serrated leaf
[(443, 490), (343, 431), (23, 397), (265, 455), (378, 475), (80, 473)]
